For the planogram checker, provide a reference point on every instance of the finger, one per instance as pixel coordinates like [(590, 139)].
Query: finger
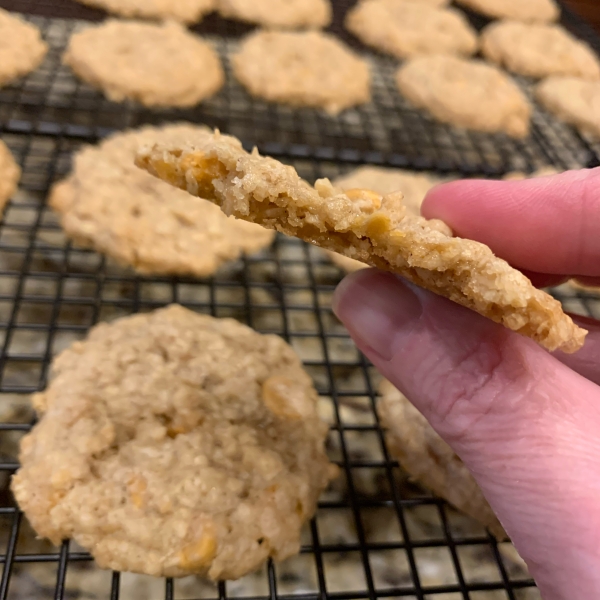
[(545, 225), (524, 424)]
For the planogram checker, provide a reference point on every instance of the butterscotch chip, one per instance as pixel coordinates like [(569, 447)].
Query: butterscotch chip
[(413, 185), (110, 205), (289, 67), (287, 14), (157, 65), (530, 11), (185, 11), (406, 28), (538, 50), (22, 49), (262, 190), (572, 100), (10, 173), (426, 457), (157, 451), (467, 93)]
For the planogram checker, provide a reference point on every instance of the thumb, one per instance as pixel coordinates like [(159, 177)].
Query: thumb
[(525, 425)]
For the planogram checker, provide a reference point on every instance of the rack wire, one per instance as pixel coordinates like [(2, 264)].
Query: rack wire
[(376, 534)]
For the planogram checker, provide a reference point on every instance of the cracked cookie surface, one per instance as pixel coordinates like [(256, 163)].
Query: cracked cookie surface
[(364, 225)]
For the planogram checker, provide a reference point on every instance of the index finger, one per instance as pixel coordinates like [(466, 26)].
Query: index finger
[(545, 225)]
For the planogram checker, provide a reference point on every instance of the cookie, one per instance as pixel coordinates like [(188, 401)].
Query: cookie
[(428, 459), (407, 28), (184, 11), (289, 67), (10, 173), (110, 205), (538, 50), (530, 11), (413, 185), (364, 225), (282, 14), (22, 49), (594, 289), (466, 93), (157, 65), (194, 446), (573, 100)]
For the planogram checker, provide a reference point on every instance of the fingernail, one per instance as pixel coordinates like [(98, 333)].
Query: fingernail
[(376, 307)]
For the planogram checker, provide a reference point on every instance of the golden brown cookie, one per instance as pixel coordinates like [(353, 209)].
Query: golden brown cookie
[(290, 67), (530, 11), (426, 457), (109, 204), (22, 49), (406, 28), (413, 185), (184, 11), (572, 100), (157, 65), (281, 14), (466, 93), (375, 229), (10, 173), (172, 443), (538, 50)]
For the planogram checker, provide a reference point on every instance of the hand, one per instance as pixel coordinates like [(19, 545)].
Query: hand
[(525, 422)]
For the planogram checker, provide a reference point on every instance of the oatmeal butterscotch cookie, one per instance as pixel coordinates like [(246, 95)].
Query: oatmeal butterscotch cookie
[(173, 443), (530, 11), (154, 64), (368, 227), (302, 69), (573, 100), (406, 28), (538, 50), (413, 185), (22, 49), (10, 173), (185, 11), (426, 457), (286, 14), (109, 204), (466, 93)]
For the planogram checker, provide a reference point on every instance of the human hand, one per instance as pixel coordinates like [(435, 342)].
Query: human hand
[(525, 422)]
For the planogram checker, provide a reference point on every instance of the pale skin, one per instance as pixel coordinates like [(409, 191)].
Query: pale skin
[(525, 422)]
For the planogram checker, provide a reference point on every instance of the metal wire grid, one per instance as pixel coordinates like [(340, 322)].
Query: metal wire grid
[(51, 293), (386, 131)]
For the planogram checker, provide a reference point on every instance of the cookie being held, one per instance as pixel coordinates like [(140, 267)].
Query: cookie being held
[(427, 458), (406, 28), (193, 447), (366, 226), (154, 64)]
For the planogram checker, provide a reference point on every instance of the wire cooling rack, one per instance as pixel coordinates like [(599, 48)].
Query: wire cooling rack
[(376, 534), (387, 130)]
